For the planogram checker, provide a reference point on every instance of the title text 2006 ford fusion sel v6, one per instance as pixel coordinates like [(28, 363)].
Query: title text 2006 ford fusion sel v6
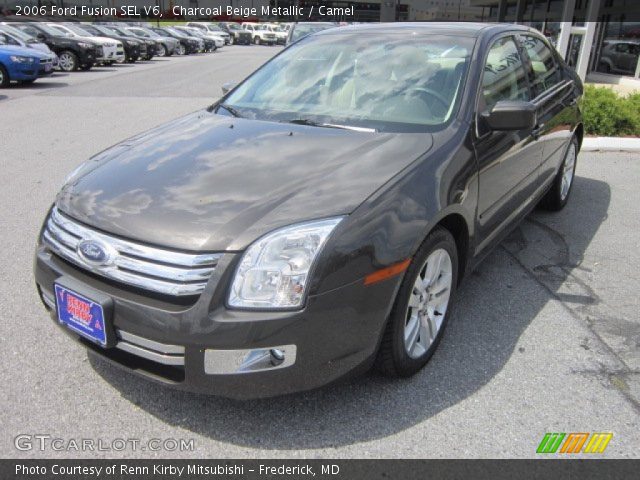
[(318, 219)]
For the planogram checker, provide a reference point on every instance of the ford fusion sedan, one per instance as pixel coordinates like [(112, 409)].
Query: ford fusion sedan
[(318, 219)]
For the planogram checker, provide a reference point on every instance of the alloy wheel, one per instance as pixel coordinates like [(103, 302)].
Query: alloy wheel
[(428, 303), (568, 171), (66, 62)]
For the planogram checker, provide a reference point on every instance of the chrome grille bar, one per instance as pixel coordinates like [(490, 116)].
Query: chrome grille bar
[(151, 268)]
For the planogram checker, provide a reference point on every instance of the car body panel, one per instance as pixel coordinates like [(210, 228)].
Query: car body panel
[(213, 203)]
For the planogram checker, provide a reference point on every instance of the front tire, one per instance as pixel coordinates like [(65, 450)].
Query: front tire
[(180, 50), (422, 307), (256, 40), (4, 77), (558, 195), (68, 61)]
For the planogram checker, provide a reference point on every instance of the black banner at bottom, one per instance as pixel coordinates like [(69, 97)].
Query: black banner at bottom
[(319, 469)]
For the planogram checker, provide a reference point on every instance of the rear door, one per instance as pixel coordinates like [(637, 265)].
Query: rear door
[(554, 99), (508, 161)]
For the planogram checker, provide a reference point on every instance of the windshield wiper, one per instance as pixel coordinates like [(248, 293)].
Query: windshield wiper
[(230, 109), (313, 123)]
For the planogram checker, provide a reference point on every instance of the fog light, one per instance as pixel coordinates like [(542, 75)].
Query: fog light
[(229, 362), (277, 356)]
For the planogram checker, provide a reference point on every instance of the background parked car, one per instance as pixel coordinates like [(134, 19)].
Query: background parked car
[(240, 35), (25, 40), (211, 42), (260, 33), (619, 56), (152, 46), (112, 50), (21, 64), (187, 44), (281, 33), (132, 47), (302, 29), (213, 28), (166, 45), (73, 53)]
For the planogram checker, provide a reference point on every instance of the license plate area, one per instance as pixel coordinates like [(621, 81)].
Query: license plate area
[(85, 311)]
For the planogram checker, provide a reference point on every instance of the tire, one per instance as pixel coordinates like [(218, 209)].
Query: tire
[(558, 195), (163, 51), (180, 50), (4, 77), (437, 260), (256, 40), (68, 61)]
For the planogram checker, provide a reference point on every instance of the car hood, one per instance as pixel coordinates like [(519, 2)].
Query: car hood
[(26, 51), (208, 182), (104, 41)]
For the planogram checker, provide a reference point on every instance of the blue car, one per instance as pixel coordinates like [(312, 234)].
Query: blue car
[(21, 64)]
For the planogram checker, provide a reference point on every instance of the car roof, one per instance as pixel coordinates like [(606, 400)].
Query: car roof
[(443, 28)]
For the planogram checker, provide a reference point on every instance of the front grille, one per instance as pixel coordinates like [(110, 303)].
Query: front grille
[(155, 269)]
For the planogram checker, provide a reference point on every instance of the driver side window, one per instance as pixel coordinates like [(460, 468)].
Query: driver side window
[(504, 76)]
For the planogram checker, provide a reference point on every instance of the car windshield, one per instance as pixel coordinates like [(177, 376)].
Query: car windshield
[(304, 29), (18, 34), (51, 31), (107, 30), (401, 83), (233, 26), (176, 32), (78, 31), (92, 30)]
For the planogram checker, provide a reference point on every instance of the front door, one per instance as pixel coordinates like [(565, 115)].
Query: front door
[(508, 161)]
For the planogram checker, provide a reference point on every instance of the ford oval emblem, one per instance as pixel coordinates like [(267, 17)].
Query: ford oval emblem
[(95, 252)]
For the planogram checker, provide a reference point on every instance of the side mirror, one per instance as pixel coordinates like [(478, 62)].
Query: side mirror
[(41, 37), (227, 87), (511, 115)]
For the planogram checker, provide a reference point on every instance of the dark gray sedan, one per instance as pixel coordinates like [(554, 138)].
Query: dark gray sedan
[(319, 218)]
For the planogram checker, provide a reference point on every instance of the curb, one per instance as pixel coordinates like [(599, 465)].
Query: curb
[(610, 144)]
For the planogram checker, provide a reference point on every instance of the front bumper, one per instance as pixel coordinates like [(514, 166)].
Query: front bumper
[(89, 56), (24, 71), (187, 346)]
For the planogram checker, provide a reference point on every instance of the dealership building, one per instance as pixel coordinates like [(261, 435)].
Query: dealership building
[(600, 38)]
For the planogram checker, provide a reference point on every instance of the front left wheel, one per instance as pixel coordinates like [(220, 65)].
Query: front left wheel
[(422, 307)]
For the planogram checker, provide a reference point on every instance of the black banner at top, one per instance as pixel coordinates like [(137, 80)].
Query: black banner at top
[(532, 12)]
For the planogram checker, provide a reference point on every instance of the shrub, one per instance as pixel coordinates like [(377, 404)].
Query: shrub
[(607, 114)]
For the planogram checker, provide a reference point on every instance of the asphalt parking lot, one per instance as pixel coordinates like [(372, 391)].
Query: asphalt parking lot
[(545, 336)]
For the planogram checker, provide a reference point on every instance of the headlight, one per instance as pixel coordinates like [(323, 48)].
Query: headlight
[(274, 270), (21, 59)]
